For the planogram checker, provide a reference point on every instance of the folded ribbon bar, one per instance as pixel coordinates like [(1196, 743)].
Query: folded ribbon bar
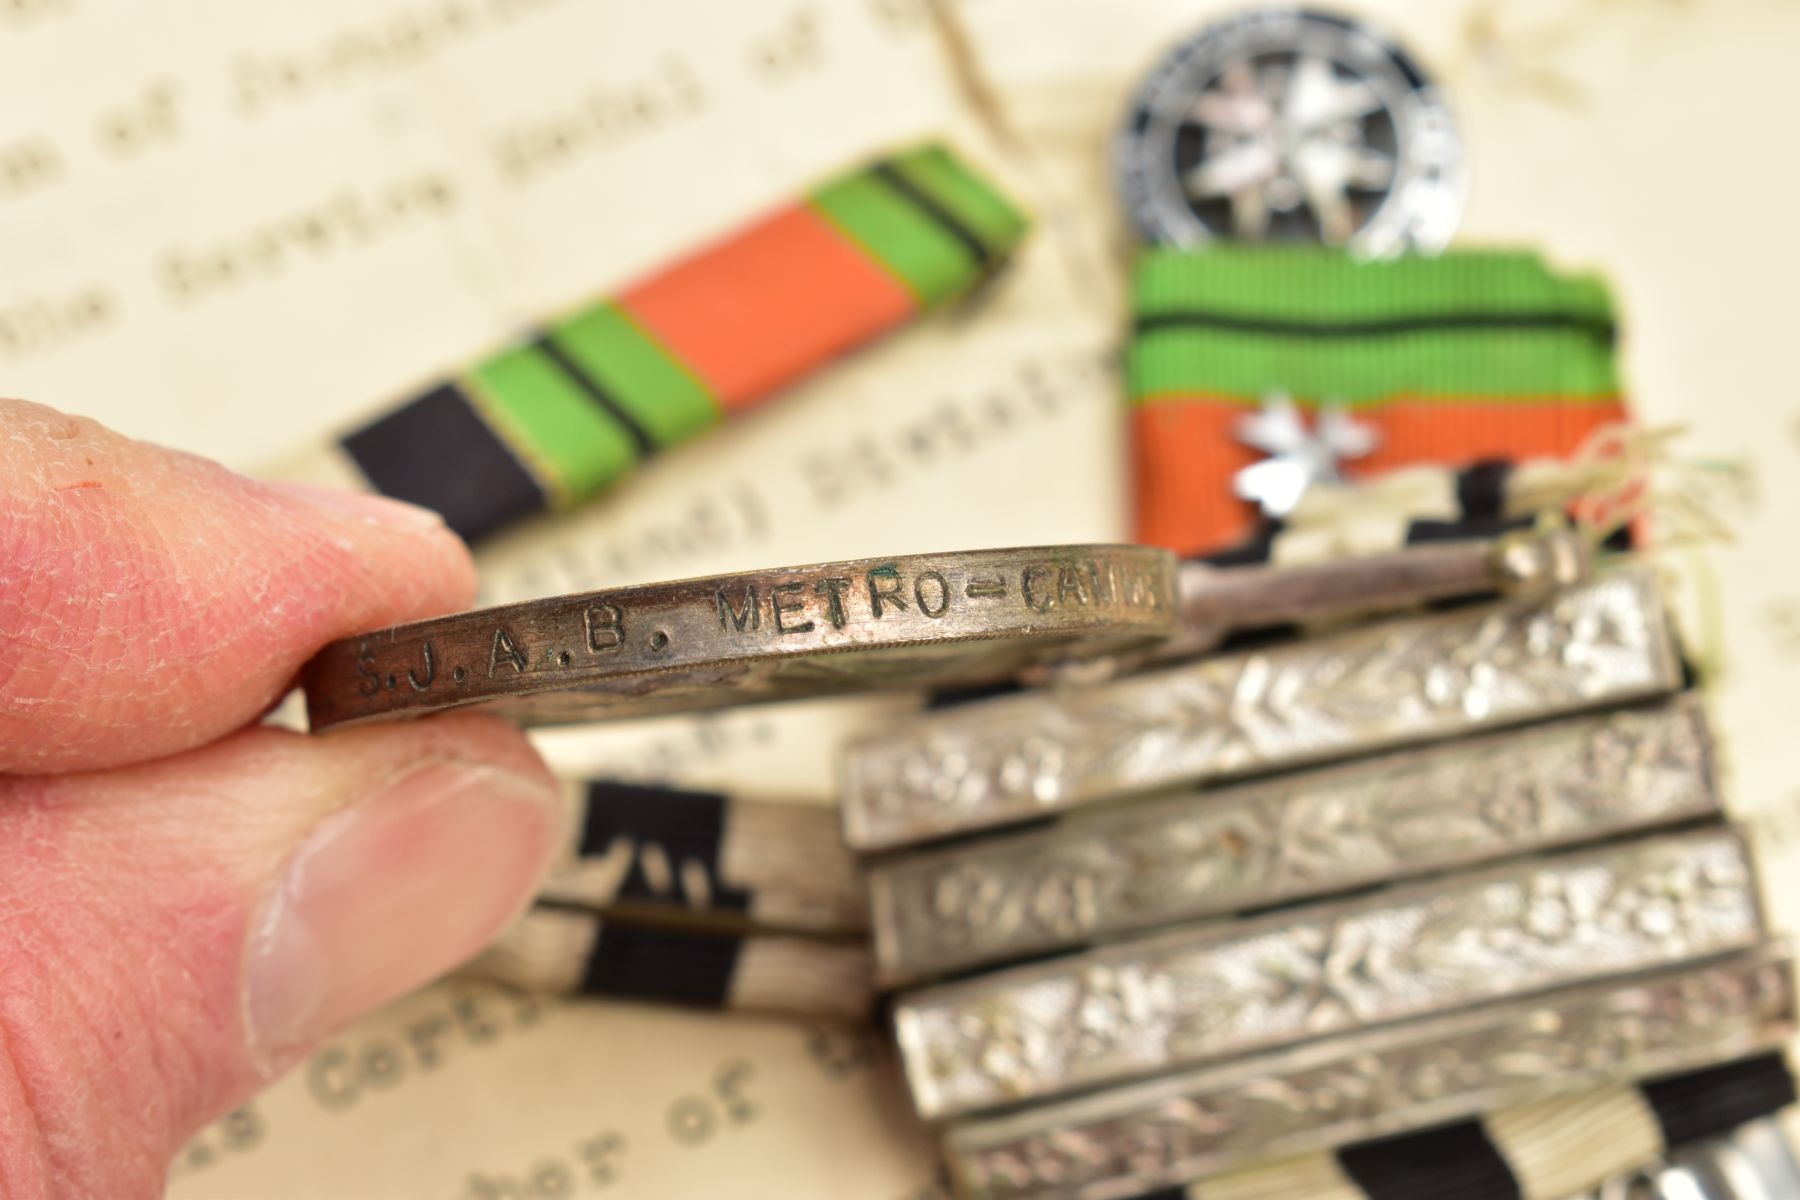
[(1449, 360), (575, 404)]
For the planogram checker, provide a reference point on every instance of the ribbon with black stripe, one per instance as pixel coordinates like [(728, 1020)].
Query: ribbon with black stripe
[(691, 968), (1546, 1151), (1452, 360), (707, 857), (1483, 511), (573, 950), (567, 411), (684, 828)]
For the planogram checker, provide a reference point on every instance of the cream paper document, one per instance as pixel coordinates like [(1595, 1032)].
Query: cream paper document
[(239, 227)]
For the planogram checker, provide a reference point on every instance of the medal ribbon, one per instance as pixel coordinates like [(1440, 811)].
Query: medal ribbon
[(1453, 359), (1544, 1151), (575, 405)]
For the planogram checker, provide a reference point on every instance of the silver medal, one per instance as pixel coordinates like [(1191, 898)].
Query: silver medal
[(1291, 124)]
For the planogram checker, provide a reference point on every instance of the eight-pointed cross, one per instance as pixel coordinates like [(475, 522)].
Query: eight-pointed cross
[(1281, 136)]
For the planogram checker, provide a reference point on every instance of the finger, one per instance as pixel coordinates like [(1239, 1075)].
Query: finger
[(151, 601), (177, 932)]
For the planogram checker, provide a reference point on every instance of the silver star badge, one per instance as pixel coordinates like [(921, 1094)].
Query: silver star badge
[(1280, 124), (1289, 135), (1299, 455)]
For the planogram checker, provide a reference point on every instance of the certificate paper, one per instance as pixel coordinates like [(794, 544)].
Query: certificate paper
[(239, 228)]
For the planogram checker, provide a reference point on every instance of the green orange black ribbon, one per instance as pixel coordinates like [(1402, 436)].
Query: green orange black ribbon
[(571, 408), (1452, 359)]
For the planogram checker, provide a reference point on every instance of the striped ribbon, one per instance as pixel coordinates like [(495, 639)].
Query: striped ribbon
[(707, 857), (1544, 1151), (570, 408), (570, 950), (1452, 359), (1478, 502)]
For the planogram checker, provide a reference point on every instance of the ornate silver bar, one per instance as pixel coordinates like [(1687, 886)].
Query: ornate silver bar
[(1219, 989), (1121, 869), (1135, 1139), (1417, 679)]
